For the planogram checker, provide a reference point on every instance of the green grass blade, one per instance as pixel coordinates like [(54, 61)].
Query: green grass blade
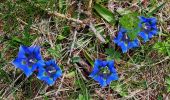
[(156, 9), (105, 13), (88, 57)]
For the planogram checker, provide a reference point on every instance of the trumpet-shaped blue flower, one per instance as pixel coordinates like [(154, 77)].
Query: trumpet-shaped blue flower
[(124, 41), (28, 59), (49, 72), (148, 28), (104, 72)]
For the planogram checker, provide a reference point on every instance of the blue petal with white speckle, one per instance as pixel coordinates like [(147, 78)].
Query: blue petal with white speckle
[(49, 72), (124, 41), (28, 59), (104, 78), (148, 28)]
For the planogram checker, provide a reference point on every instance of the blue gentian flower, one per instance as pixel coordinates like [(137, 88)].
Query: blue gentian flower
[(104, 77), (49, 72), (28, 59), (124, 41), (148, 28)]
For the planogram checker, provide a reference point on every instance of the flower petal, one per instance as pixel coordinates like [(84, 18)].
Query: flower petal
[(150, 35), (57, 75), (41, 73), (40, 63), (45, 75), (31, 48), (96, 68), (154, 27), (154, 32), (18, 64), (103, 63), (102, 77), (100, 80), (112, 77), (34, 67), (134, 43), (37, 53), (48, 63), (48, 80), (153, 21), (28, 72), (144, 36), (111, 66), (21, 53), (119, 36), (94, 72), (143, 19), (123, 47)]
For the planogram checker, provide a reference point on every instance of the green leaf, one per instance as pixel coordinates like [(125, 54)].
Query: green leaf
[(81, 97), (56, 52), (112, 54), (133, 33), (84, 91), (120, 88), (70, 75), (160, 97), (60, 37), (42, 1), (168, 83), (88, 57), (4, 76), (123, 11), (76, 59), (156, 9), (105, 13), (45, 97), (62, 6), (102, 1), (130, 23), (66, 30), (163, 47), (168, 90), (16, 39), (64, 34), (168, 80)]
